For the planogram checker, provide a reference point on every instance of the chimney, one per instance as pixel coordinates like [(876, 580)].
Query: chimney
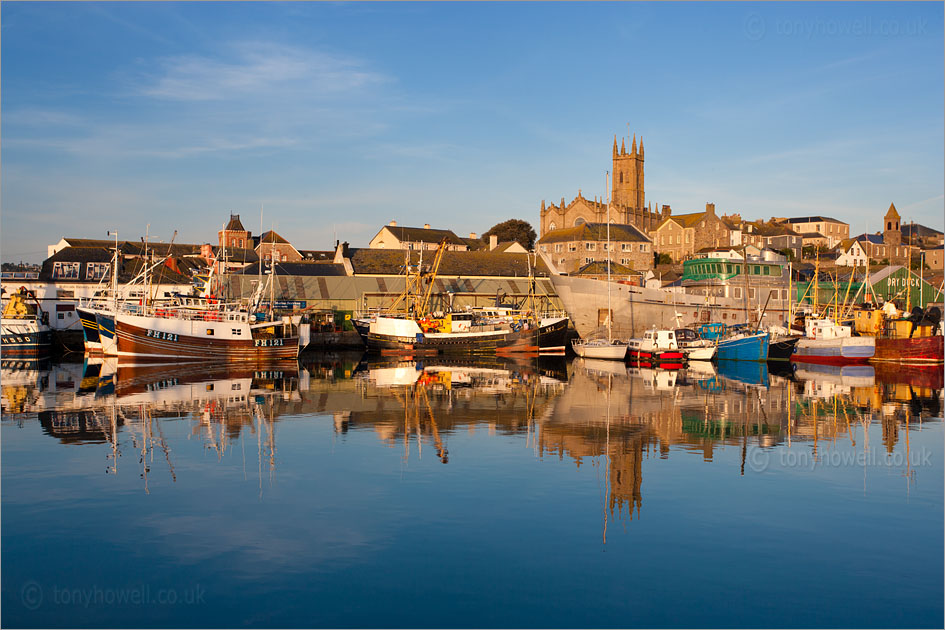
[(206, 252), (426, 226), (710, 208), (493, 242), (667, 211), (393, 224), (472, 235)]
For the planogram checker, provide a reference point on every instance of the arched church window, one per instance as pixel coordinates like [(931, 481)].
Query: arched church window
[(621, 177), (579, 221), (889, 225), (552, 226)]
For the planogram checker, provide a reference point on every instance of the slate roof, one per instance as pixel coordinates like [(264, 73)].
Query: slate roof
[(875, 239), (319, 256), (813, 219), (366, 261), (272, 237), (921, 231), (136, 248), (176, 270), (298, 269), (236, 254), (234, 224), (763, 228), (599, 268), (619, 232)]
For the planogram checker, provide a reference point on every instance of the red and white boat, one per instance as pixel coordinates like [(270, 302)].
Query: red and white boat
[(828, 343), (656, 345)]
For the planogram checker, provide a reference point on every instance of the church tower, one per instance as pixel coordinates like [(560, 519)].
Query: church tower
[(627, 177), (892, 235)]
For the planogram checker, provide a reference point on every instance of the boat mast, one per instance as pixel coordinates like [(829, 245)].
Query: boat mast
[(114, 273), (745, 270), (610, 312)]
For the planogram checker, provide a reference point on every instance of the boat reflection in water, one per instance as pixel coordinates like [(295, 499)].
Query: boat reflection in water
[(626, 419)]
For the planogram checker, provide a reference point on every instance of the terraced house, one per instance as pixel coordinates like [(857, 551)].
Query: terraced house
[(682, 235), (572, 248)]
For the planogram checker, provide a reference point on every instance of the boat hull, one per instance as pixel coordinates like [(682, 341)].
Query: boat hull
[(157, 339), (782, 349), (918, 350), (93, 342), (675, 356), (750, 348), (553, 334), (638, 309), (610, 352), (841, 351), (25, 339)]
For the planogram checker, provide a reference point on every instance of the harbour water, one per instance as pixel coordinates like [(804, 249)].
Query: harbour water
[(355, 492)]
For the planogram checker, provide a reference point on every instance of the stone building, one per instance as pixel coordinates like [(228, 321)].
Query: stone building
[(767, 235), (272, 246), (628, 199), (817, 229), (572, 248), (682, 235), (235, 235)]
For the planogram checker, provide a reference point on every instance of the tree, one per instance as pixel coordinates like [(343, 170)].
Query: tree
[(662, 259), (513, 230)]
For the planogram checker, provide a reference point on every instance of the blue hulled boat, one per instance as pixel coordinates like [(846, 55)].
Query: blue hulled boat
[(750, 346)]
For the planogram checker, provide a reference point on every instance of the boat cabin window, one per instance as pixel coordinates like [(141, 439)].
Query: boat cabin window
[(462, 317), (209, 331)]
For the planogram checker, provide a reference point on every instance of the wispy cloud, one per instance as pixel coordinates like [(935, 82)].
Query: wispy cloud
[(254, 68)]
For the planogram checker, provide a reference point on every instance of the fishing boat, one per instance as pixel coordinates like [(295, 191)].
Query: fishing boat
[(829, 343), (90, 334), (655, 346), (744, 346), (781, 347), (916, 339), (455, 333), (25, 327), (694, 347), (611, 349), (205, 328)]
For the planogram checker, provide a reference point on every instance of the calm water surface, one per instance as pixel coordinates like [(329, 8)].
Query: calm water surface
[(547, 493)]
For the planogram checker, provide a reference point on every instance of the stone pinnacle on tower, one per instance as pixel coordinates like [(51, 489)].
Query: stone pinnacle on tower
[(615, 145), (633, 148)]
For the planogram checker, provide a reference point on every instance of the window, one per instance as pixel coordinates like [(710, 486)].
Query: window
[(559, 247), (624, 261), (544, 248), (643, 247), (688, 237), (572, 247), (95, 271), (738, 292), (662, 239), (578, 221), (552, 226), (241, 242), (588, 260), (209, 331), (625, 247), (590, 246), (678, 239), (66, 270)]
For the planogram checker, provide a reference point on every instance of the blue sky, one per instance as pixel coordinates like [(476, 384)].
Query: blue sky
[(337, 118)]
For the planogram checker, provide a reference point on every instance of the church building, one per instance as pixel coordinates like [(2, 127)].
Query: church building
[(628, 205)]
